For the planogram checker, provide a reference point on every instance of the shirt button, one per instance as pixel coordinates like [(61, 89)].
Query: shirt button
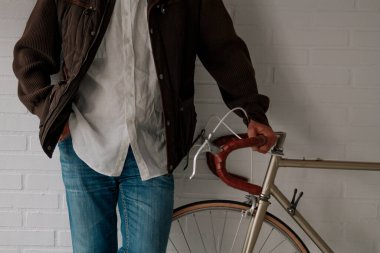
[(151, 31), (49, 147), (93, 33), (161, 76), (168, 123)]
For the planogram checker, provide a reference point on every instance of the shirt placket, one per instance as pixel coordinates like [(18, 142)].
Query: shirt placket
[(128, 75)]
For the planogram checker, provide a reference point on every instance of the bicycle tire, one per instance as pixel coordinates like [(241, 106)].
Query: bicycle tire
[(191, 225)]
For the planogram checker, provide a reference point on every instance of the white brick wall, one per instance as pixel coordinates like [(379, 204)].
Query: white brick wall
[(318, 61)]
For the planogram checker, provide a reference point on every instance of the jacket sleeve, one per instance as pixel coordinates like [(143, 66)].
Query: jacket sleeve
[(226, 57), (37, 56)]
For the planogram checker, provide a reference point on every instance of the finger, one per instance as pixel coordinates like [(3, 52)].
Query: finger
[(251, 131)]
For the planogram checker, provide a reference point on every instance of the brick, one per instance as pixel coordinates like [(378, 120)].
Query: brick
[(28, 162), (47, 220), (316, 5), (365, 115), (10, 219), (23, 238), (35, 144), (18, 123), (354, 178), (337, 95), (202, 75), (342, 134), (25, 200), (362, 231), (312, 150), (6, 66), (10, 182), (44, 182), (9, 251), (12, 28), (345, 57), (312, 75), (366, 38), (252, 35), (311, 188), (344, 5), (282, 94), (328, 114), (11, 104), (337, 210), (366, 78), (310, 37), (6, 46), (347, 19), (279, 55), (371, 5), (8, 85), (363, 152), (16, 8), (64, 238), (270, 17), (363, 191), (348, 246), (12, 143)]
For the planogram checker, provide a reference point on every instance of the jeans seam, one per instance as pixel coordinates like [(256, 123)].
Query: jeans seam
[(125, 214)]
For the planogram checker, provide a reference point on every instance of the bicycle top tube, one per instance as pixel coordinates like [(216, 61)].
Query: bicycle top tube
[(217, 161)]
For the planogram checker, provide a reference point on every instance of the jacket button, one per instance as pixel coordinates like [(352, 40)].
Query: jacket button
[(161, 76), (93, 33)]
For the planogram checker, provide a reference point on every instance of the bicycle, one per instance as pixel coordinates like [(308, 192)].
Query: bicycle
[(231, 226)]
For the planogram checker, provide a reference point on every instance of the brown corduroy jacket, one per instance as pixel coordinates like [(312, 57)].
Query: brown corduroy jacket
[(64, 35)]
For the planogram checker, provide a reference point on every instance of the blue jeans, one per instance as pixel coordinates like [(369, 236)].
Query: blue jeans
[(145, 207)]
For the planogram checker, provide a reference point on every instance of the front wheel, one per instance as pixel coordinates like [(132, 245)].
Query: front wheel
[(219, 226)]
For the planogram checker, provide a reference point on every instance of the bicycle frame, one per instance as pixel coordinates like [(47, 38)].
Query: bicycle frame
[(269, 188)]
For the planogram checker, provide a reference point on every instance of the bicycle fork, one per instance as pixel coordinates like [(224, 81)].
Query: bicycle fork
[(262, 207)]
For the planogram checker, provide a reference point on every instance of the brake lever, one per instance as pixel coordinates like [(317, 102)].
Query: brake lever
[(207, 146)]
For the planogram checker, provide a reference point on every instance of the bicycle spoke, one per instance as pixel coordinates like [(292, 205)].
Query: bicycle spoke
[(228, 224), (199, 231), (184, 236), (224, 227), (173, 245), (266, 239), (277, 246), (213, 232), (237, 231)]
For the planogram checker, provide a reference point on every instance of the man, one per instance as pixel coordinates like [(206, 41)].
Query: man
[(123, 114)]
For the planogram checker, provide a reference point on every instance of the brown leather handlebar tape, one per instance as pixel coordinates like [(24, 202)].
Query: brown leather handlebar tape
[(217, 162)]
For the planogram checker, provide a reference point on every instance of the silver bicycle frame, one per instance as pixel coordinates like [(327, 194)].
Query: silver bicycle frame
[(269, 188)]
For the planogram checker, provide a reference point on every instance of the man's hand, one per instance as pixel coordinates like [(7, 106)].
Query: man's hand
[(256, 128), (65, 132)]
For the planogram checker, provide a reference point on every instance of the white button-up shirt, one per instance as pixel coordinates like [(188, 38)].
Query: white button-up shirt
[(119, 100)]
